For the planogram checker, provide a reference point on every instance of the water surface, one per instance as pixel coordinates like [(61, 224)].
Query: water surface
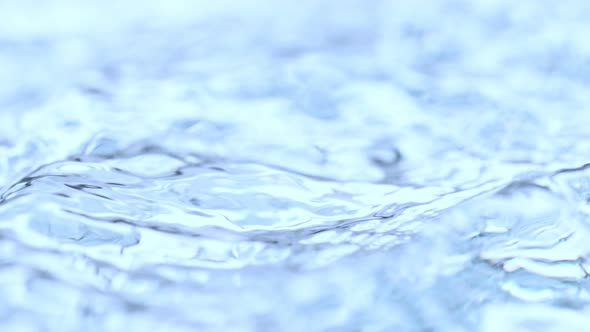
[(314, 166)]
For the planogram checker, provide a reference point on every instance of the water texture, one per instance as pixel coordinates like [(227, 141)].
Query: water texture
[(297, 166)]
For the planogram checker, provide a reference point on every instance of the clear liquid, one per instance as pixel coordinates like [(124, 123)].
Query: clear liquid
[(319, 166)]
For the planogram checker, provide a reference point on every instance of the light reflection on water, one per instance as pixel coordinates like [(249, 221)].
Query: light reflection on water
[(321, 166)]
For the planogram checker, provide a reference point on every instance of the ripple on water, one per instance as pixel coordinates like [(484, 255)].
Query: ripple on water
[(322, 166)]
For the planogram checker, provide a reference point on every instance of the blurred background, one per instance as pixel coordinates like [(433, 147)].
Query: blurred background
[(285, 166)]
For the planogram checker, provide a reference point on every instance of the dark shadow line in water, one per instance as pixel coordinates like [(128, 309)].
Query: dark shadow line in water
[(220, 233), (82, 187), (134, 151), (175, 230), (518, 185), (571, 170), (35, 170), (214, 163), (27, 181), (131, 151)]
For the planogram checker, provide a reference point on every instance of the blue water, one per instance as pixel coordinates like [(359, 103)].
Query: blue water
[(308, 166)]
